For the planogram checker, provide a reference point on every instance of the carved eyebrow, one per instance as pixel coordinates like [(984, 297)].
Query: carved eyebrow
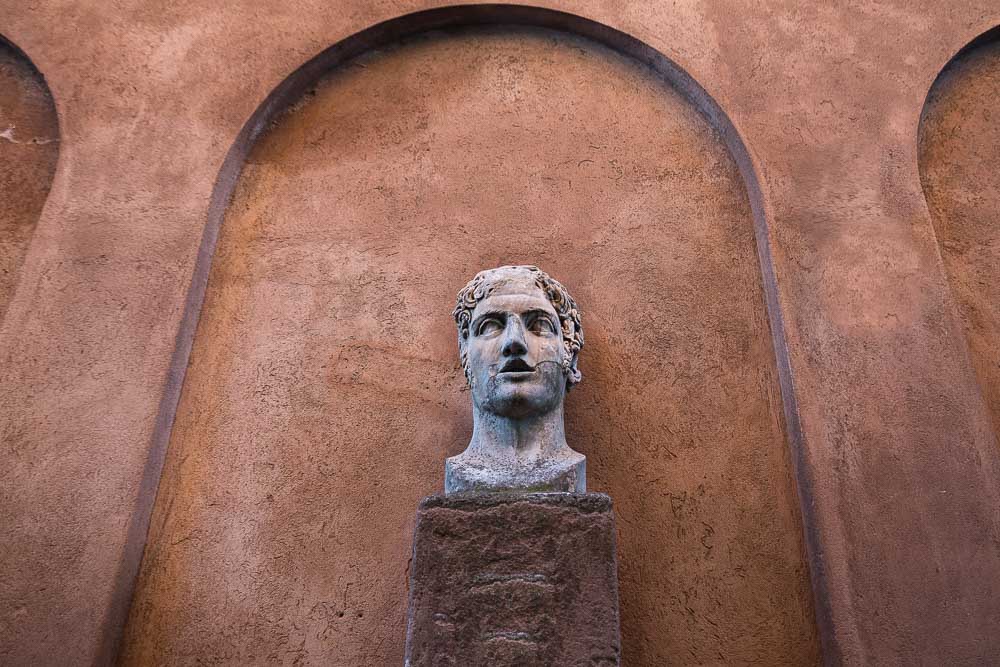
[(536, 312)]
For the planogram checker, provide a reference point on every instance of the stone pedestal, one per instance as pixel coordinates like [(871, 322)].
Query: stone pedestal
[(514, 580)]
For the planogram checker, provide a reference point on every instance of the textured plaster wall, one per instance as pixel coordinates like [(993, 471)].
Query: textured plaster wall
[(29, 146), (324, 391), (890, 435), (959, 154)]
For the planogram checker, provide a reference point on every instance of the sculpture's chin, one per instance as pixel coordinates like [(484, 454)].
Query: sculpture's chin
[(520, 395), (519, 400), (513, 409)]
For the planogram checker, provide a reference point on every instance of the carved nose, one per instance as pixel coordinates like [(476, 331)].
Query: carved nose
[(513, 344)]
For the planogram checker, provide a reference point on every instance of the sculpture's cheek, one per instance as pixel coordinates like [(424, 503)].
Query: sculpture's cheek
[(483, 353), (542, 349)]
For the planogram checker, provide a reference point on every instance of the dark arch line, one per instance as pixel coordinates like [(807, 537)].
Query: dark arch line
[(376, 36), (986, 37), (19, 53), (5, 42), (991, 35)]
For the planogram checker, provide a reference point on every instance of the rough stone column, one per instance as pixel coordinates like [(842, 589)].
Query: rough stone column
[(514, 580)]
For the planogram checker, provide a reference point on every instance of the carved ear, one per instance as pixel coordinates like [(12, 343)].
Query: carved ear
[(573, 374), (463, 358)]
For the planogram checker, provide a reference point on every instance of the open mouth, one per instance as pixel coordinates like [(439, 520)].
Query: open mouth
[(517, 366)]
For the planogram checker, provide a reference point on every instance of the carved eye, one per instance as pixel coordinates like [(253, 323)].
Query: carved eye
[(489, 326), (541, 325)]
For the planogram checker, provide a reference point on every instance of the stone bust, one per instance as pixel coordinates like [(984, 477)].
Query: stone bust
[(519, 335)]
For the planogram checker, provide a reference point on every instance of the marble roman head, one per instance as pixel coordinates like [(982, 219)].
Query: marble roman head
[(519, 336)]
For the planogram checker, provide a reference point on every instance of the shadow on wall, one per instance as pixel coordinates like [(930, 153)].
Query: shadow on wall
[(324, 392), (29, 147), (959, 151)]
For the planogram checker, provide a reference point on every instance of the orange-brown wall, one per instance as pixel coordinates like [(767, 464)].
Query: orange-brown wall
[(959, 153), (29, 145), (324, 390), (787, 392)]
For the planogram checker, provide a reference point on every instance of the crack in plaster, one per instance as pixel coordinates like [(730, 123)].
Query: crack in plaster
[(8, 134)]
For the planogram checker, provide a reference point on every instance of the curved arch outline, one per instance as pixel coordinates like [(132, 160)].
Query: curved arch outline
[(4, 41), (985, 37), (392, 30), (989, 36), (19, 52)]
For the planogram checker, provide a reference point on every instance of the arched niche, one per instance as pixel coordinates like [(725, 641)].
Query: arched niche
[(324, 392), (959, 141), (29, 147)]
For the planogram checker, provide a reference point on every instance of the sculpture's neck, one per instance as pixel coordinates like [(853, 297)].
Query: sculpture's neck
[(522, 438)]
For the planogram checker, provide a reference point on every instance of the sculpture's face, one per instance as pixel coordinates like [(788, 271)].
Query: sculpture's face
[(515, 352)]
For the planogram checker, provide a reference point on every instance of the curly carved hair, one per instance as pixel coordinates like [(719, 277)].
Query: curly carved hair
[(569, 315)]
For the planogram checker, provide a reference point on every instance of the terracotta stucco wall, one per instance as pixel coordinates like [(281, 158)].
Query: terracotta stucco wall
[(29, 146), (959, 148), (324, 390), (889, 434)]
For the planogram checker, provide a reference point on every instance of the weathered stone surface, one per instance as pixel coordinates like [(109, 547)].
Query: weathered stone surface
[(519, 339), (514, 580)]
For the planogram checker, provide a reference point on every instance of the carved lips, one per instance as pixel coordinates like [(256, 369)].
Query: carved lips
[(516, 367)]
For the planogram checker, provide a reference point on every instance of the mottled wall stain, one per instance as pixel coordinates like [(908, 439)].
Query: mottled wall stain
[(324, 390), (29, 146), (959, 156)]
